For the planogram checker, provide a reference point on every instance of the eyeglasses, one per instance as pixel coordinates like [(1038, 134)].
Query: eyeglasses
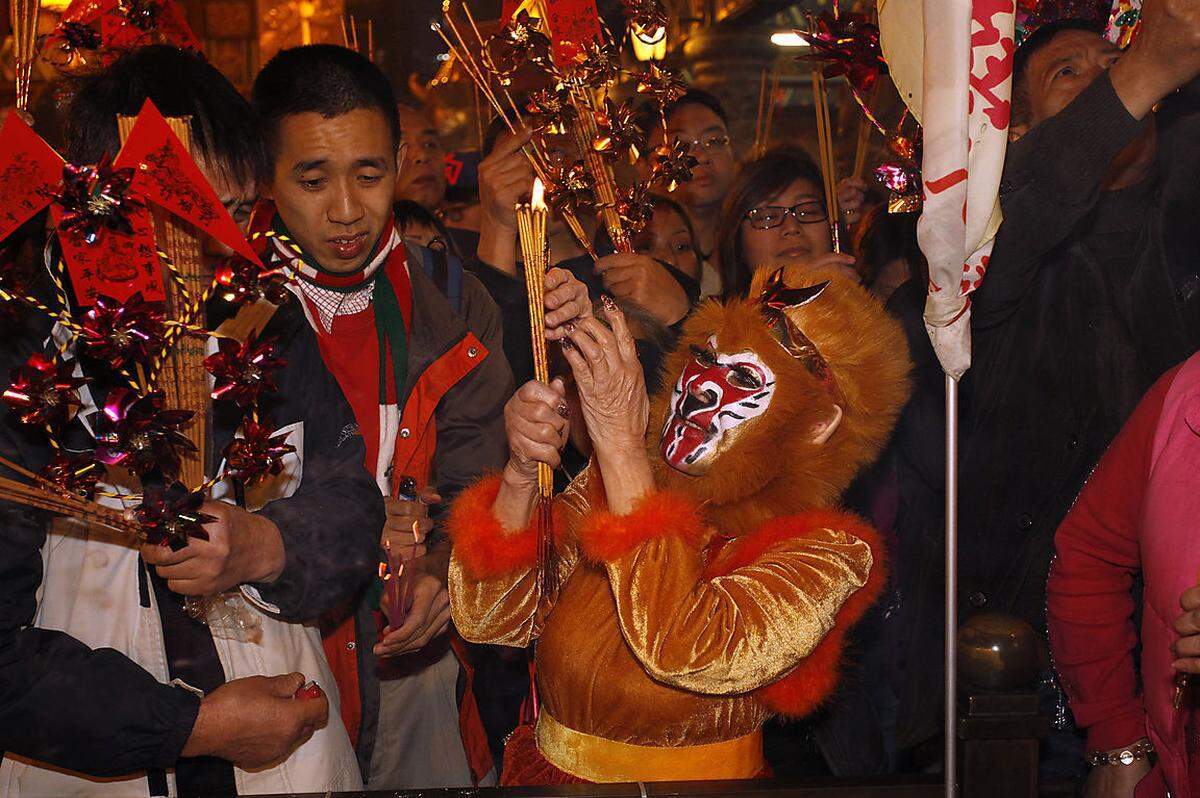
[(717, 142), (768, 216)]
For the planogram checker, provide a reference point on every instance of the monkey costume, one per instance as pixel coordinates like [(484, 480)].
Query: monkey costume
[(725, 596)]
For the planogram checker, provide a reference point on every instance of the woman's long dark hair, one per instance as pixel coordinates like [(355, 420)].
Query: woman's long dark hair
[(758, 181)]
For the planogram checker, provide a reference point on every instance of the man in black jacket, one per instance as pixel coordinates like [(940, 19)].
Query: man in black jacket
[(105, 680), (1091, 294)]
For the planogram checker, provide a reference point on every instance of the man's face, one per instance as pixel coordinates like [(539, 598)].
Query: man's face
[(333, 184), (1062, 68), (715, 397), (238, 198), (422, 177), (709, 141)]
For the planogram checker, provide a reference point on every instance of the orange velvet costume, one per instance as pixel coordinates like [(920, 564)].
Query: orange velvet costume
[(722, 599)]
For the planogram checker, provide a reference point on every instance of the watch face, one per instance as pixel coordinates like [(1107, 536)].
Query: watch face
[(1126, 757)]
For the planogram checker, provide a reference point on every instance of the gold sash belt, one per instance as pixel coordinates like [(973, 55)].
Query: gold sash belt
[(598, 759)]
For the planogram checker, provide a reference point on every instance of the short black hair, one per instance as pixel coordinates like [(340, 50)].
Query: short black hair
[(1029, 47), (224, 130), (1043, 36), (699, 97), (882, 237), (323, 79)]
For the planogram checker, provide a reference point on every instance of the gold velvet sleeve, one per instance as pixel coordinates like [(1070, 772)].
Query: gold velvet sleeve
[(737, 632), (494, 592)]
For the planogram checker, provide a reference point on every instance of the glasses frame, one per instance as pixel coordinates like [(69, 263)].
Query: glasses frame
[(786, 211)]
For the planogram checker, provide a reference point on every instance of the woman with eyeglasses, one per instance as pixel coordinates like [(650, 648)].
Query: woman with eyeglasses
[(775, 217)]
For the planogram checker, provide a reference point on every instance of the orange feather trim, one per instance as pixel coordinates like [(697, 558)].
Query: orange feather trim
[(484, 547), (803, 689), (604, 537)]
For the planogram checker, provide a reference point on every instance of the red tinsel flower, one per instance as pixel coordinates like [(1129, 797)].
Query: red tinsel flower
[(71, 45), (257, 452), (96, 198), (517, 44), (847, 45), (243, 282), (134, 431), (597, 64), (553, 105), (570, 189), (120, 333), (244, 369), (672, 164), (73, 473), (662, 84), (169, 516), (44, 390), (635, 208), (645, 16), (141, 14), (617, 130)]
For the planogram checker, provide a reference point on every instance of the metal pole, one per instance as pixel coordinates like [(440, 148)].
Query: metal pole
[(951, 720)]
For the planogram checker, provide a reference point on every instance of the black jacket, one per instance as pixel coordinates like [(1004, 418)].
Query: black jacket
[(1089, 296), (96, 711)]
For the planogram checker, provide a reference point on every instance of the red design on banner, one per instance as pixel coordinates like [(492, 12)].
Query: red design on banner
[(940, 184), (997, 69), (30, 171), (572, 23), (169, 178), (117, 265), (507, 9), (973, 274)]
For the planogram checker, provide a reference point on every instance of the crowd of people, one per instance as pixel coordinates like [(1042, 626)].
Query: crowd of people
[(704, 607)]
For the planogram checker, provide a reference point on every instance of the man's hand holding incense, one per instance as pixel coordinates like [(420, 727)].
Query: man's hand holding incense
[(645, 282), (241, 547), (427, 618), (407, 525), (505, 178)]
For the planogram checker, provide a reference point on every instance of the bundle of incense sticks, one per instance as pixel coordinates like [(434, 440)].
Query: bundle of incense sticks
[(531, 228), (183, 376), (825, 146), (350, 37), (24, 25), (479, 69), (599, 168), (768, 91), (43, 494)]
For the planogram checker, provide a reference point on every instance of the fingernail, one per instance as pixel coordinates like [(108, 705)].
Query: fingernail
[(609, 303), (569, 326), (562, 409)]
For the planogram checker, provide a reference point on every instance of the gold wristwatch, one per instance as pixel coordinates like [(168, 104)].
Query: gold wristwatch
[(1124, 756)]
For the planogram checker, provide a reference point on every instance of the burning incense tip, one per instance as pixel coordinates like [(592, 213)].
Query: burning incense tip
[(539, 193)]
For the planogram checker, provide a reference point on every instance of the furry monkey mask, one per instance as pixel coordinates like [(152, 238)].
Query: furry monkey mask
[(775, 402)]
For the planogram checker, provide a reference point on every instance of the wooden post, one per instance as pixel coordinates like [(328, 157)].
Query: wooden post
[(182, 376)]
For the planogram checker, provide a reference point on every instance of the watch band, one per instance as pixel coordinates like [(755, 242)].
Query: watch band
[(1124, 756)]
